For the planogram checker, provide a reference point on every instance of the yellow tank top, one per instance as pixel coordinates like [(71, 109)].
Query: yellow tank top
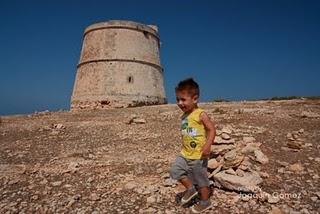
[(193, 135)]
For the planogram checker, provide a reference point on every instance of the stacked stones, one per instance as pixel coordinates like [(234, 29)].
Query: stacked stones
[(232, 163), (296, 141)]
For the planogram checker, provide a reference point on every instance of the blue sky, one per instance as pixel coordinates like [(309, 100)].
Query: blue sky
[(235, 49)]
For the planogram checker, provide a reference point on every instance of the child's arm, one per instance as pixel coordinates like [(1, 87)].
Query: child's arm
[(211, 133)]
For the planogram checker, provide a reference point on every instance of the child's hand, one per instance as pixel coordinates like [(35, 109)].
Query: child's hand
[(206, 149)]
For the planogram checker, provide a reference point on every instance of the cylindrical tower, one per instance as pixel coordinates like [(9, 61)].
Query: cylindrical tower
[(119, 67)]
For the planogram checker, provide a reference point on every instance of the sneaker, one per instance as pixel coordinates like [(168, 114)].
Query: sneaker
[(188, 196), (198, 208)]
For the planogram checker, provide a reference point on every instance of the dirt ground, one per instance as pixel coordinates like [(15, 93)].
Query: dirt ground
[(96, 162)]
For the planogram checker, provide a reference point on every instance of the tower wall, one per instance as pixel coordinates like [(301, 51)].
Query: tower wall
[(119, 67)]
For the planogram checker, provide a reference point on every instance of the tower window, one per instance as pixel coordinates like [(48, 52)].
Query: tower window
[(130, 79), (105, 102)]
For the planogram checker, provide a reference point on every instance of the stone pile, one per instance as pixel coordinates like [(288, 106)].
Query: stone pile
[(231, 163), (296, 141), (234, 165)]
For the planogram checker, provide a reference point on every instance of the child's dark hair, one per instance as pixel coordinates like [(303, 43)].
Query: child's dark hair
[(190, 85)]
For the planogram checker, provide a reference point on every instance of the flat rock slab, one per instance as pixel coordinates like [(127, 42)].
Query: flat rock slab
[(246, 183)]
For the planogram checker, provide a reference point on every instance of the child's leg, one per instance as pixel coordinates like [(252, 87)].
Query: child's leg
[(191, 190), (179, 171), (186, 182), (201, 177), (204, 193)]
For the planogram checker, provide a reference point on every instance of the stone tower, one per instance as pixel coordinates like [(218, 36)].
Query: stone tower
[(119, 67)]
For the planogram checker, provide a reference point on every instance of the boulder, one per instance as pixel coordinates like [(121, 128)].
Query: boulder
[(246, 183)]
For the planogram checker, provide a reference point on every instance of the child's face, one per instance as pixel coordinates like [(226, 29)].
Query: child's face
[(185, 101)]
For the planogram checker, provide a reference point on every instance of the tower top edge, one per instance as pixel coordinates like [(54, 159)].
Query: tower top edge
[(153, 29)]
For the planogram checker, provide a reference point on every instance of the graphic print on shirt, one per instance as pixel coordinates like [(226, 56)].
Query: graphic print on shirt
[(191, 132)]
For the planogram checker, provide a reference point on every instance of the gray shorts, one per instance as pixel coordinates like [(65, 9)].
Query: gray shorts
[(195, 170)]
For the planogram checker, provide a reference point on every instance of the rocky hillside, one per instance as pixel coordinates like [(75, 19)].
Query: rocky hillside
[(265, 159)]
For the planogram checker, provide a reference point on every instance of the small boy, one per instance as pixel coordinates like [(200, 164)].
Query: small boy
[(198, 133)]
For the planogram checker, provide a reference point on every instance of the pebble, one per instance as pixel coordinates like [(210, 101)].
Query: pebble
[(297, 167), (260, 157), (240, 172), (151, 199), (282, 163), (226, 130), (316, 177), (94, 197), (264, 174), (245, 198), (169, 182), (213, 163), (231, 171), (56, 183), (276, 210), (294, 145), (130, 185), (290, 137), (314, 198), (248, 139), (225, 136), (272, 199), (58, 126)]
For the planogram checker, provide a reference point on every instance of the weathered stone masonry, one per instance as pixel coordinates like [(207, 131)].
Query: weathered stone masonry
[(119, 67)]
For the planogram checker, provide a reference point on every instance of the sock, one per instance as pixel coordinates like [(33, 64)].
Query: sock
[(204, 202)]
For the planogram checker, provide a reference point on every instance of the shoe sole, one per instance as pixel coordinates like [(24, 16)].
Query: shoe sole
[(183, 202), (195, 211)]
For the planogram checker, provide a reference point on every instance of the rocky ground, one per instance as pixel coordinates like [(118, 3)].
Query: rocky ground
[(265, 159)]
